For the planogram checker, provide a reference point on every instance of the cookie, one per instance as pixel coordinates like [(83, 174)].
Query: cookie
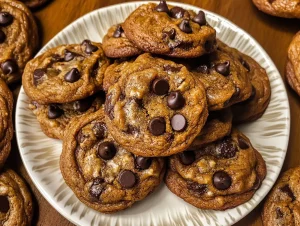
[(34, 3), (281, 207), (219, 176), (116, 45), (170, 30), (15, 200), (6, 124), (224, 77), (101, 173), (18, 39), (280, 8), (293, 65), (156, 108), (217, 126), (54, 118), (65, 73)]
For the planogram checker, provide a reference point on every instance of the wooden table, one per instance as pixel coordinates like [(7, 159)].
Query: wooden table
[(274, 34)]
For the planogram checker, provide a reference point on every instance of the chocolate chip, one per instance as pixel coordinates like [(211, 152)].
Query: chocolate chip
[(132, 130), (169, 34), (187, 157), (54, 111), (69, 55), (96, 188), (175, 100), (203, 69), (200, 189), (245, 64), (89, 47), (5, 19), (200, 18), (99, 130), (279, 213), (223, 68), (170, 68), (118, 32), (38, 74), (177, 12), (4, 204), (127, 179), (185, 26), (226, 148), (56, 58), (83, 105), (287, 190), (2, 36), (243, 144), (160, 86), (178, 123), (9, 67), (162, 7), (157, 126), (80, 137), (142, 162), (221, 180), (72, 76), (107, 150)]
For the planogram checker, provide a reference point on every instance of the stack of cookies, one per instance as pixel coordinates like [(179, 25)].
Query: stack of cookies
[(172, 93)]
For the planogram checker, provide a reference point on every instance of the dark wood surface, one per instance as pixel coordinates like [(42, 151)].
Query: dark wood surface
[(274, 34)]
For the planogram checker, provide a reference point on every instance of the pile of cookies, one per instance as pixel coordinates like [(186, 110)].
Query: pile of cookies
[(161, 88)]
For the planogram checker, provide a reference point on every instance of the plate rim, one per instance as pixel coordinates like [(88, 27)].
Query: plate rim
[(287, 113)]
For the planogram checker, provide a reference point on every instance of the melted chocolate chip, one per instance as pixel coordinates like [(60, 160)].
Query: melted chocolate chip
[(223, 68), (142, 162), (4, 204), (5, 19), (200, 189), (162, 7), (157, 126), (118, 32), (56, 58), (175, 100), (178, 123), (221, 180), (185, 26), (107, 150), (245, 64), (243, 144), (169, 34), (287, 190), (203, 69), (279, 213), (89, 47), (69, 55), (226, 148), (9, 67), (54, 111), (72, 76), (132, 130), (160, 87), (2, 36), (187, 157), (200, 18), (170, 68), (83, 105), (99, 130), (127, 179), (38, 74), (80, 137), (96, 188), (177, 12)]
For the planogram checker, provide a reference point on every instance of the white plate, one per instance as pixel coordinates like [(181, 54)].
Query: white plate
[(40, 154)]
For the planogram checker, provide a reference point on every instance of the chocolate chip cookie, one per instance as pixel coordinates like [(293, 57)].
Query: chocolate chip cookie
[(6, 124), (54, 118), (35, 3), (101, 173), (170, 30), (156, 108), (116, 45), (15, 200), (18, 39), (217, 126), (219, 176), (65, 73), (280, 8), (224, 77), (293, 65), (282, 205)]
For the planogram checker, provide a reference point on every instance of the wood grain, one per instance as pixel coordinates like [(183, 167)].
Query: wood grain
[(274, 34)]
